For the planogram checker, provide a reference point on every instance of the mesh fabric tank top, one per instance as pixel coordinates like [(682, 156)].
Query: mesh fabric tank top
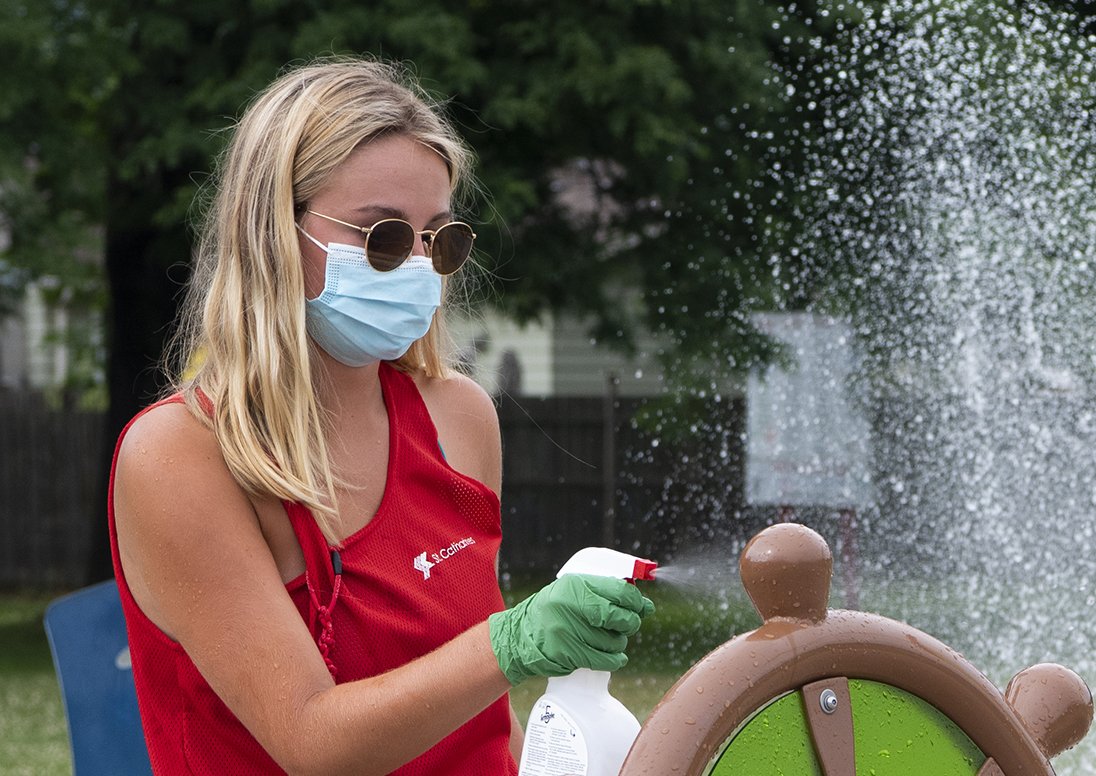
[(418, 574)]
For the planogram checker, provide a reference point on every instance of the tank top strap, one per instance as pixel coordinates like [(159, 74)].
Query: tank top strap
[(317, 553), (322, 578), (408, 411)]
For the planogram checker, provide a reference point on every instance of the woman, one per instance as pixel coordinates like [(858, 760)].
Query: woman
[(305, 531)]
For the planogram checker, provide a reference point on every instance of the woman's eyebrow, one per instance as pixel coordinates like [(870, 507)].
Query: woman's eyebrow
[(443, 217), (378, 212)]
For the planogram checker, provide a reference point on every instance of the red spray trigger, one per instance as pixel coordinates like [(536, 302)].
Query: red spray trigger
[(643, 569)]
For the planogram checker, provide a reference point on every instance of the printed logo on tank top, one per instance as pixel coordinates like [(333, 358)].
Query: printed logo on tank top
[(425, 561)]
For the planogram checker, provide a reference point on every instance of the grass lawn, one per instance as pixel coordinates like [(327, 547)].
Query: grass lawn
[(34, 739)]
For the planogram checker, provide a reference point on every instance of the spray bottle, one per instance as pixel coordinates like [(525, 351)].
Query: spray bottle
[(577, 728)]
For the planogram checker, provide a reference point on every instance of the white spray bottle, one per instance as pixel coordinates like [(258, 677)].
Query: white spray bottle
[(577, 728)]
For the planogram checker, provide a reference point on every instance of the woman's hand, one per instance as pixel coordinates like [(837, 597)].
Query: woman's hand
[(577, 621)]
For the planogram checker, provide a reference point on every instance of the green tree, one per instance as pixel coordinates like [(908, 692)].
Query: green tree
[(671, 113), (49, 176)]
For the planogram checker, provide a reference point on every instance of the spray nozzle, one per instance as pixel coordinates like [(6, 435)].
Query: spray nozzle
[(603, 562), (645, 569)]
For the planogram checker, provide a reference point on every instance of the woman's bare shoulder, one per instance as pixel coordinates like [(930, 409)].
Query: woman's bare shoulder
[(183, 522), (457, 392), (169, 426), (468, 426), (169, 458)]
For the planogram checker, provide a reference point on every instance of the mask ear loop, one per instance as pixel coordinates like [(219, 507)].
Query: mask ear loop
[(319, 244)]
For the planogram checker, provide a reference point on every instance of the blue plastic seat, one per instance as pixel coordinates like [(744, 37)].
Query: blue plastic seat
[(87, 637)]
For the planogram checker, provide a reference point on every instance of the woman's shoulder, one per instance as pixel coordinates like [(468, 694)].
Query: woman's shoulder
[(169, 433), (467, 425), (459, 395)]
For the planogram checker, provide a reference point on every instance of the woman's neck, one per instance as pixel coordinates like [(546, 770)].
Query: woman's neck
[(341, 387)]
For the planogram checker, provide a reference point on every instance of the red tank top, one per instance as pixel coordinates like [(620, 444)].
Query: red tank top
[(421, 572)]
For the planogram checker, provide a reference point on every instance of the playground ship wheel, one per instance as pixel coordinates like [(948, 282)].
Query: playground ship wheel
[(817, 692)]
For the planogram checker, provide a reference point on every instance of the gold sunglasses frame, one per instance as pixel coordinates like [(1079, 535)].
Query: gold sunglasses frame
[(427, 236)]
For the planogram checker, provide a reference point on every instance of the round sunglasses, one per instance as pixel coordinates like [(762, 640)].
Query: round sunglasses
[(390, 241)]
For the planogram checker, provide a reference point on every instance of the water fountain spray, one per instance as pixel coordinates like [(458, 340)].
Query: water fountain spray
[(953, 223)]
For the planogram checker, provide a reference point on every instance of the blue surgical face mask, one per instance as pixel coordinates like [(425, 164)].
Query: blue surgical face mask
[(364, 315)]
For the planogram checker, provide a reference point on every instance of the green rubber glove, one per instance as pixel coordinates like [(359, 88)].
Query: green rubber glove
[(577, 621)]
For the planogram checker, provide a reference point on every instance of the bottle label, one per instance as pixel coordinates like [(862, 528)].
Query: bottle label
[(554, 744)]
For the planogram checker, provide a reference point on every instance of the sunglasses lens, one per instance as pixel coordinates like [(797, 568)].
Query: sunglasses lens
[(389, 244), (451, 246)]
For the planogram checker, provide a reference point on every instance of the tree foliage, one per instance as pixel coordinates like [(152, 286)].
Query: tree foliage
[(662, 115), (674, 123), (624, 145)]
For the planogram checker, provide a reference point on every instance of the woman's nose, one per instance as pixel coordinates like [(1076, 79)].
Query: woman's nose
[(422, 245)]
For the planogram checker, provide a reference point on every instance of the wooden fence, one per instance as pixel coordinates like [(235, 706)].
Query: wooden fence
[(50, 471), (579, 472), (576, 472)]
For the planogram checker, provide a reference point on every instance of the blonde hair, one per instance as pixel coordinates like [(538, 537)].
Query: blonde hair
[(243, 359)]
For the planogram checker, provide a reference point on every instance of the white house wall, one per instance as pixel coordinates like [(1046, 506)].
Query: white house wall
[(29, 355), (482, 342), (557, 357), (47, 361), (13, 353), (584, 366)]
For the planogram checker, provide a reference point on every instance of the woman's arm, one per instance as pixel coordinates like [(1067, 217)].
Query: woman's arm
[(517, 735), (198, 566)]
